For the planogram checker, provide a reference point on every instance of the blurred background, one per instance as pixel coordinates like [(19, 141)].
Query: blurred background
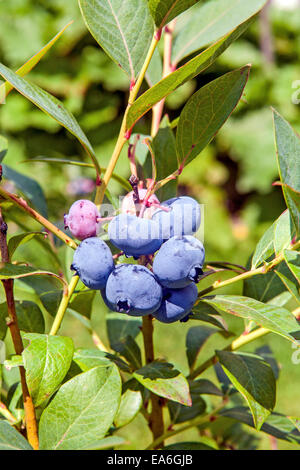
[(233, 177)]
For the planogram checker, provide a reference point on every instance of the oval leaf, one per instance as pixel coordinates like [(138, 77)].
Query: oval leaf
[(123, 28), (206, 112), (10, 439), (276, 319), (87, 402), (288, 155), (162, 379), (254, 379), (46, 360), (211, 21)]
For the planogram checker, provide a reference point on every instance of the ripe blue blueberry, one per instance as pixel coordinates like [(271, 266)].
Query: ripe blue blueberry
[(133, 235), (181, 216), (176, 304), (133, 289), (83, 219), (179, 262), (93, 263)]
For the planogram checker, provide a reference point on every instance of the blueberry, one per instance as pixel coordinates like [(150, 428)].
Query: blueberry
[(93, 263), (133, 235), (176, 304), (133, 289), (83, 219), (181, 217), (179, 262)]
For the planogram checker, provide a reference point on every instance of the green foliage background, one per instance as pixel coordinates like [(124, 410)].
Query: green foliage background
[(232, 178)]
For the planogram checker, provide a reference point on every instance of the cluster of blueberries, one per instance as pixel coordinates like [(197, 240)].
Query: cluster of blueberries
[(168, 291)]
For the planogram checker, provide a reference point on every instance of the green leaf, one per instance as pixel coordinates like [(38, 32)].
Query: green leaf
[(129, 349), (3, 324), (276, 319), (6, 88), (131, 403), (206, 112), (10, 439), (267, 287), (47, 360), (30, 317), (185, 73), (87, 402), (14, 271), (20, 239), (276, 425), (292, 259), (29, 187), (163, 11), (14, 361), (119, 326), (188, 446), (206, 313), (254, 379), (195, 340), (50, 105), (86, 359), (162, 379), (123, 28), (290, 286), (164, 147), (180, 413), (206, 387), (3, 142), (209, 22), (106, 443), (288, 155), (275, 239)]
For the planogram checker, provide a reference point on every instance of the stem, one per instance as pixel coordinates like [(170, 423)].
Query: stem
[(31, 424), (247, 275), (7, 414), (167, 69), (156, 422), (190, 424), (123, 138), (22, 204), (63, 306), (236, 344)]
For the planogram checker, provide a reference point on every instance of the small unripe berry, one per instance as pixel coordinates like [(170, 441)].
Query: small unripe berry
[(83, 219), (129, 206)]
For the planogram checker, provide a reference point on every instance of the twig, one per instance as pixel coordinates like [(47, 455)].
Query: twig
[(236, 344), (22, 204), (31, 424)]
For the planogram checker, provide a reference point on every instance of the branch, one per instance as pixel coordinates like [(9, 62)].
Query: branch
[(267, 267), (190, 424), (31, 424), (236, 344), (22, 204)]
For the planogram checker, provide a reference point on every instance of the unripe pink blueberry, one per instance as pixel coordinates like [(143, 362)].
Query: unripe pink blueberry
[(129, 207), (83, 219)]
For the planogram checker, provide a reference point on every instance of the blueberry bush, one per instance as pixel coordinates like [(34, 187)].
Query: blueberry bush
[(140, 260)]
